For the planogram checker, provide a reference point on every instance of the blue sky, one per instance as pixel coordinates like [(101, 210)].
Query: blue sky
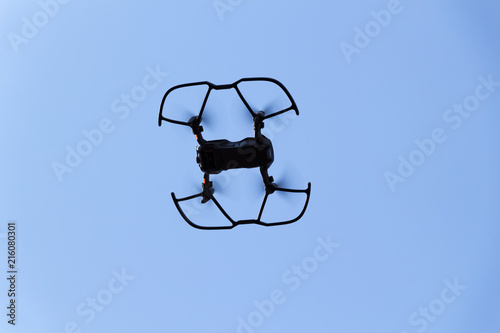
[(397, 132)]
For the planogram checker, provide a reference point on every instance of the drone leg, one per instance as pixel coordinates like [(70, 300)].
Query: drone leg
[(207, 187)]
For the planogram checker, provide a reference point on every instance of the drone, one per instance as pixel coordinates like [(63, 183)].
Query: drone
[(216, 156)]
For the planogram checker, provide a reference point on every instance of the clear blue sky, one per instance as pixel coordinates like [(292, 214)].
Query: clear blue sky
[(398, 134)]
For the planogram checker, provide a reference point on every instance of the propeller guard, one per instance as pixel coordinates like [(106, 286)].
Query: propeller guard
[(216, 156), (234, 223)]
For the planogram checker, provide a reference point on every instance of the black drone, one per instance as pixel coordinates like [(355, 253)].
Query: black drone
[(216, 156)]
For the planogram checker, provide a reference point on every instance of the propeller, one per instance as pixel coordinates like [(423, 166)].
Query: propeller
[(207, 118), (271, 107), (220, 185), (182, 103), (289, 177)]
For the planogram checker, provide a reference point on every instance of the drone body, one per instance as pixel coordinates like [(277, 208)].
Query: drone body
[(220, 155), (216, 156)]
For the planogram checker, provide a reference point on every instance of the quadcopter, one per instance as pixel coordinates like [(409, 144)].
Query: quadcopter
[(216, 156)]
